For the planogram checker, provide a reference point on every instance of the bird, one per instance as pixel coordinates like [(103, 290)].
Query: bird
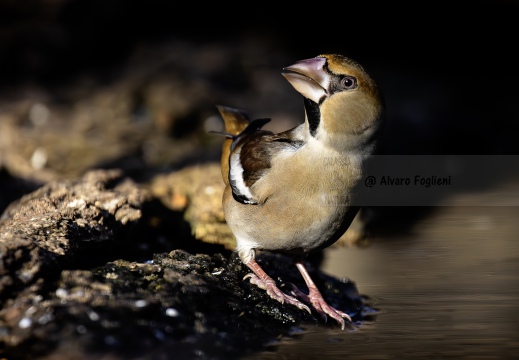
[(294, 191)]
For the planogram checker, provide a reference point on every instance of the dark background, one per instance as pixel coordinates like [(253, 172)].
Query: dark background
[(448, 70)]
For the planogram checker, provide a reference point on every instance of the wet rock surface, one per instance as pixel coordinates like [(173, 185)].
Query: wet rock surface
[(178, 304)]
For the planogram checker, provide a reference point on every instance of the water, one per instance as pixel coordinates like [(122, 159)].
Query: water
[(448, 289)]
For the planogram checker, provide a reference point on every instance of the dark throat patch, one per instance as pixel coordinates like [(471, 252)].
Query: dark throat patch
[(314, 115)]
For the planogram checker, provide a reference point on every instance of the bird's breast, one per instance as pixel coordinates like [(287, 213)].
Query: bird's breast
[(304, 205)]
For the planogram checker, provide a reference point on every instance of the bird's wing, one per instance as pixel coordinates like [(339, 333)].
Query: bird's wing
[(251, 158)]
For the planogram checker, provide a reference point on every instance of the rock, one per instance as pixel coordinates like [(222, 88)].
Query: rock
[(50, 228), (178, 304), (197, 191)]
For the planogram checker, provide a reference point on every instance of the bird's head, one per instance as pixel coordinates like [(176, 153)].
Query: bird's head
[(343, 105)]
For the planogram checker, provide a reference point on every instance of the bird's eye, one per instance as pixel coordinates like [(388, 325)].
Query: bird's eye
[(348, 82)]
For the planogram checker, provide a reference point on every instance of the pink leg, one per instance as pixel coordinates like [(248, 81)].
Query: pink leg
[(265, 282), (316, 299)]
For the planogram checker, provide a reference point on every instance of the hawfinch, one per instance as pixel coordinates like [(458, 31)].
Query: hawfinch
[(294, 192)]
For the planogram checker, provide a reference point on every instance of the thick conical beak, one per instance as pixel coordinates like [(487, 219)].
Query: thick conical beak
[(309, 78)]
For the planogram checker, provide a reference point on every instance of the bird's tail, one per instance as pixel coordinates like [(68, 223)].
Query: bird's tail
[(235, 122)]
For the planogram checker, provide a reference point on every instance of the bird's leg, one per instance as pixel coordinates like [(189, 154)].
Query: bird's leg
[(316, 299), (265, 282)]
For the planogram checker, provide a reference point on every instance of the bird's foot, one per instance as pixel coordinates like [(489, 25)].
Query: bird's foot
[(321, 306), (273, 291)]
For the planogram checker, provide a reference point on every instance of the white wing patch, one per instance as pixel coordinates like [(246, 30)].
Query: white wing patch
[(236, 178)]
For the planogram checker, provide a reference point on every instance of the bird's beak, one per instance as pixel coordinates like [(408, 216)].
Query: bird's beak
[(308, 77)]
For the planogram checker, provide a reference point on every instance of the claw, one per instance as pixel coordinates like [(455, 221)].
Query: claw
[(317, 300), (266, 283)]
